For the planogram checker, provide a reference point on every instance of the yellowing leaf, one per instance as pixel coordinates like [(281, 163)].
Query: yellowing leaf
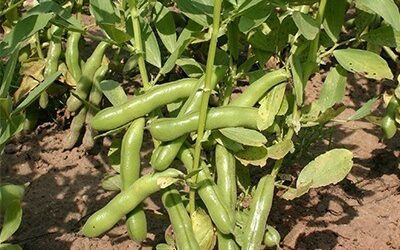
[(256, 156), (27, 84), (33, 69), (270, 106), (280, 150)]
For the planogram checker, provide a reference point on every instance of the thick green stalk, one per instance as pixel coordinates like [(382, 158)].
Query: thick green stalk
[(139, 44), (206, 92), (312, 53)]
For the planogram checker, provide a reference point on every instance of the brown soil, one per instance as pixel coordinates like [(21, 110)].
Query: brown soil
[(362, 212)]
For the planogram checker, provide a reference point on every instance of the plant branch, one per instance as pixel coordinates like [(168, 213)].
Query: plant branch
[(206, 93), (139, 44), (11, 7)]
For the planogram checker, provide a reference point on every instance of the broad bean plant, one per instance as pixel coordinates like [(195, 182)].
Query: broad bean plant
[(219, 87)]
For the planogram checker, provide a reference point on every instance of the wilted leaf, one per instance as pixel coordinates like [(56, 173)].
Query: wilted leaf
[(269, 106), (164, 182), (293, 193), (33, 69), (27, 84), (328, 168), (35, 93), (362, 61), (280, 149), (203, 229), (256, 156)]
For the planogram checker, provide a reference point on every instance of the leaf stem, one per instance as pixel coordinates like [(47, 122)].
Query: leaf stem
[(11, 7), (206, 94), (139, 43), (312, 53)]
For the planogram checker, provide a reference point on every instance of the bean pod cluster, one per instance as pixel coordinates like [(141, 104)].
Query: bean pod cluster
[(215, 182)]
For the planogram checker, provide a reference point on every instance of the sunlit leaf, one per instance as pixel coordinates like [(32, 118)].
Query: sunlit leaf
[(366, 62)]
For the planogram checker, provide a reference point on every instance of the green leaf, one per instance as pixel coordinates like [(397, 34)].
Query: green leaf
[(297, 74), (307, 25), (364, 111), (248, 137), (35, 93), (333, 89), (191, 67), (255, 16), (10, 247), (113, 91), (115, 34), (328, 168), (12, 219), (13, 126), (334, 18), (197, 10), (8, 74), (9, 193), (112, 183), (186, 37), (152, 50), (104, 11), (385, 8), (361, 61), (383, 36), (24, 29), (226, 142), (114, 154), (256, 156), (280, 149), (269, 106), (63, 18), (163, 246), (165, 26)]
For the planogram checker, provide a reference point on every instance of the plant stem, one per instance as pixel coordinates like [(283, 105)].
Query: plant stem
[(139, 44), (330, 51), (206, 94), (38, 46), (391, 54), (312, 53), (11, 7)]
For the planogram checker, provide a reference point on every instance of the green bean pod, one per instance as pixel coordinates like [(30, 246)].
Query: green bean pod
[(138, 106), (72, 55), (260, 206), (388, 122), (124, 202), (53, 54), (225, 165), (210, 194), (75, 130), (95, 97), (259, 88), (180, 220), (166, 152), (85, 81), (221, 117), (130, 170)]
